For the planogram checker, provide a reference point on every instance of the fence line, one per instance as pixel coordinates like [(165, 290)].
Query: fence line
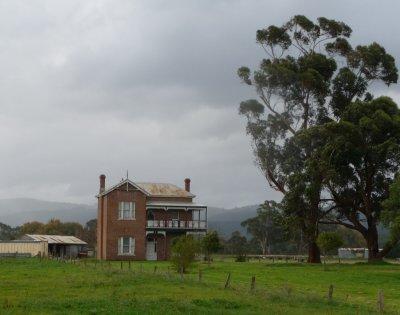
[(194, 277)]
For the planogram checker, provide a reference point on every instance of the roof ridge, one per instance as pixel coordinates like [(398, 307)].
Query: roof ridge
[(145, 188)]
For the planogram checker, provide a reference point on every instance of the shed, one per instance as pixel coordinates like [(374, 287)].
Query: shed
[(59, 245), (23, 248), (351, 253)]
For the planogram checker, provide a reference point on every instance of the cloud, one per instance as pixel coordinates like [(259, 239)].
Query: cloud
[(150, 86)]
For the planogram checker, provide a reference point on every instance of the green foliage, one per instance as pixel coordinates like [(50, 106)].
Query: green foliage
[(237, 245), (360, 156), (7, 232), (184, 251), (56, 227), (264, 227), (329, 241), (391, 213), (312, 77), (210, 243)]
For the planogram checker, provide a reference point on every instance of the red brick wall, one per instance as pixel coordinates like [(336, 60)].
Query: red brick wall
[(110, 228), (99, 231), (118, 228)]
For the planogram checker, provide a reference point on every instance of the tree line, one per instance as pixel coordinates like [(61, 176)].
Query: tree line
[(320, 137), (86, 233)]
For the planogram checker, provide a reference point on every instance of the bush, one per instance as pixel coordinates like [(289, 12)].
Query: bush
[(240, 258), (210, 244), (184, 250), (329, 242)]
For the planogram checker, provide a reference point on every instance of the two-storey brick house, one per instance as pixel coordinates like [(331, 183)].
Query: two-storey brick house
[(137, 221)]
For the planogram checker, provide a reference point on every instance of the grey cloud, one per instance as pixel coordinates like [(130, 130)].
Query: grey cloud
[(150, 86)]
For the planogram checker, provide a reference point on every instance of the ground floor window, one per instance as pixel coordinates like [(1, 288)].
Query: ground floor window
[(126, 245)]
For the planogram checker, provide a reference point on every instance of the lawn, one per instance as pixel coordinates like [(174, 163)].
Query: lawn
[(31, 286)]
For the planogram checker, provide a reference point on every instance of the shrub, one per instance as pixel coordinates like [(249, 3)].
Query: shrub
[(184, 250), (210, 244), (329, 242)]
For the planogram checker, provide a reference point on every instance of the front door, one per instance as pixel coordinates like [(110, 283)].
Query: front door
[(151, 252)]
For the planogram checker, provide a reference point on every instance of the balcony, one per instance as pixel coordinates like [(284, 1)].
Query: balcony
[(176, 224)]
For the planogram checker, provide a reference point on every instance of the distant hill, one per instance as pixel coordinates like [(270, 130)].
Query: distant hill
[(20, 210), (225, 221)]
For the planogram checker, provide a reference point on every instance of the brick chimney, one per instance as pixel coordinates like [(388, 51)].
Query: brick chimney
[(187, 184), (102, 183)]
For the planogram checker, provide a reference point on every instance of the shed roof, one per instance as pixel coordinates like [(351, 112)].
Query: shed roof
[(153, 189), (56, 239)]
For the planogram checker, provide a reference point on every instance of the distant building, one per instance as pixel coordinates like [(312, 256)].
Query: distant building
[(62, 246), (19, 248), (351, 253), (137, 221), (31, 245)]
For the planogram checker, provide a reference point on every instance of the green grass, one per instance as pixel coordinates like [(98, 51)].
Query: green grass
[(30, 286)]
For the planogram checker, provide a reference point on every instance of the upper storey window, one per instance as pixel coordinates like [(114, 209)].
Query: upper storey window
[(126, 210)]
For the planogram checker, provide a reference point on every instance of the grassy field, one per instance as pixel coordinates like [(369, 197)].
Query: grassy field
[(30, 286)]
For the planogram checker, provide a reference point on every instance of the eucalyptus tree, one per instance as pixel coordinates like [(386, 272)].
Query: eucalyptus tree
[(300, 86), (263, 227), (361, 157)]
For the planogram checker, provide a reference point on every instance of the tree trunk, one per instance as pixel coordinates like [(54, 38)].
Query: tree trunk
[(372, 244), (263, 248), (314, 255)]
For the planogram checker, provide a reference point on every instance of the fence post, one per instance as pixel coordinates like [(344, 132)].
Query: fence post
[(121, 264), (227, 281), (253, 283), (381, 302), (330, 293)]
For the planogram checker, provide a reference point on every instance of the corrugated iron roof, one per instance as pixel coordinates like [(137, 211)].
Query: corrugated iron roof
[(153, 189), (56, 239), (164, 190)]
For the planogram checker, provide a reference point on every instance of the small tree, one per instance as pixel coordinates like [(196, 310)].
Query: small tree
[(210, 244), (237, 245), (184, 251), (329, 241), (263, 227)]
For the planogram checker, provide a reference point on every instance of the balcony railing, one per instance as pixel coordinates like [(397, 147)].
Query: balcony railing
[(176, 224)]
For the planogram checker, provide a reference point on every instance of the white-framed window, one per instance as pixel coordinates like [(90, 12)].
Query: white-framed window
[(126, 210), (198, 215), (126, 245)]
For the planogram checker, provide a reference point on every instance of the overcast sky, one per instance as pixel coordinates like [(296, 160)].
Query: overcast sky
[(91, 87)]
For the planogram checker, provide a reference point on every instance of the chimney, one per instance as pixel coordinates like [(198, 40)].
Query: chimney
[(187, 184), (102, 183)]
